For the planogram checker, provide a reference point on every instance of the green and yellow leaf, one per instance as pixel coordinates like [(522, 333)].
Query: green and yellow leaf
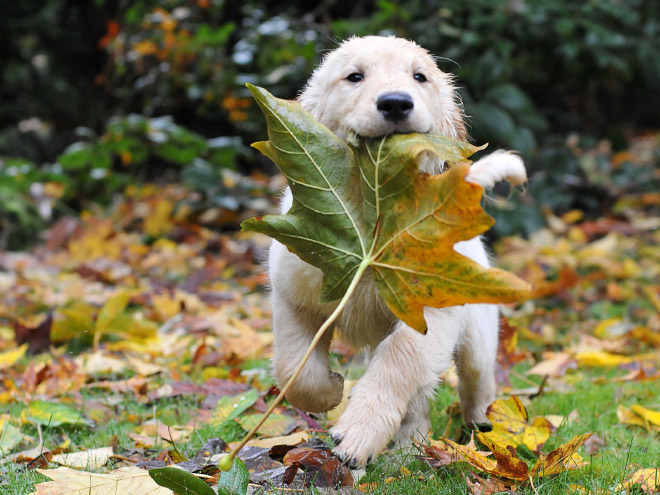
[(367, 204)]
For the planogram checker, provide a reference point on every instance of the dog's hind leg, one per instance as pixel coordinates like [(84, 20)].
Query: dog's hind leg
[(475, 362)]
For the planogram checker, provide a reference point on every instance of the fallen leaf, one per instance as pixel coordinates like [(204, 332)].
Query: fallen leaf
[(593, 445), (511, 427), (10, 436), (87, 459), (180, 481), (327, 470), (601, 359), (648, 480), (490, 486), (229, 408), (506, 464), (554, 364), (561, 459), (235, 481), (53, 414), (9, 358), (276, 425), (371, 206), (292, 439), (127, 481), (639, 416)]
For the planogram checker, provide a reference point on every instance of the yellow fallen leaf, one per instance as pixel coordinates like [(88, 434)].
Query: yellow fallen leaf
[(638, 416), (511, 427), (87, 459), (603, 329), (127, 481), (159, 219), (561, 459), (651, 417), (293, 439), (601, 359), (10, 358), (647, 479), (166, 306)]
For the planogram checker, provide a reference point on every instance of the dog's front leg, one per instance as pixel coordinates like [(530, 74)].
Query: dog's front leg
[(296, 319), (317, 388), (405, 366)]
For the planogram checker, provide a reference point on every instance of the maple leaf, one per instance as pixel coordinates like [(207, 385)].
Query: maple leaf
[(128, 481), (365, 204), (511, 425), (506, 463)]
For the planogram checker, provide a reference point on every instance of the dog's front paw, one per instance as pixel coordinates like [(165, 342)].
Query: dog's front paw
[(317, 395), (363, 432)]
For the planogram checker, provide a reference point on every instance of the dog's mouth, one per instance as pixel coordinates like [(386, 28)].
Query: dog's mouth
[(359, 137)]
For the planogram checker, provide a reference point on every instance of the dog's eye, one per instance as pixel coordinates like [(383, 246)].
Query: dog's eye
[(420, 77), (355, 77)]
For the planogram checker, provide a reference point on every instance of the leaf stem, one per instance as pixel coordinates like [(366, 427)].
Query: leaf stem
[(317, 338)]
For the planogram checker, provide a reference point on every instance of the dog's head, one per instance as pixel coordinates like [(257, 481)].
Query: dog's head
[(375, 86)]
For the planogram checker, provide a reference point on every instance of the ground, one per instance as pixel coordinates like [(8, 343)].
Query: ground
[(139, 329)]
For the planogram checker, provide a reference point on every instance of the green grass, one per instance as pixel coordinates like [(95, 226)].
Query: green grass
[(594, 397)]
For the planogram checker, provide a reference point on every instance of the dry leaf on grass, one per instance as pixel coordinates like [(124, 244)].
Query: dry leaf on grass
[(648, 480), (87, 459), (505, 462), (639, 416), (124, 481), (554, 364), (511, 427), (267, 443)]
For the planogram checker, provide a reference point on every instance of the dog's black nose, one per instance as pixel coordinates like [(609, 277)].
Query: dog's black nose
[(395, 106)]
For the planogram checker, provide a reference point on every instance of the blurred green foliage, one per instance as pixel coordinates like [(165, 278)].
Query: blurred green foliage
[(99, 93)]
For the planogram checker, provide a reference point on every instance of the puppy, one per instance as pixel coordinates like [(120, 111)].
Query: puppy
[(371, 87)]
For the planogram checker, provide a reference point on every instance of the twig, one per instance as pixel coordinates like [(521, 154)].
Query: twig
[(541, 387), (523, 378), (531, 482)]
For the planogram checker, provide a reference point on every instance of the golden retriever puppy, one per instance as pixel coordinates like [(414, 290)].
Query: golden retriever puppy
[(370, 87)]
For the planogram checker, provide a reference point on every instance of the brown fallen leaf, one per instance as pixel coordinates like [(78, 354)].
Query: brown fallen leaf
[(127, 481), (554, 364), (325, 468), (593, 445), (487, 486)]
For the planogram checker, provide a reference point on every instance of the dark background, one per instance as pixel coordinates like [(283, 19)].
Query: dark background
[(96, 95)]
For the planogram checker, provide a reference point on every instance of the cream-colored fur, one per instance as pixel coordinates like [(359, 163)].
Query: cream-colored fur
[(390, 400)]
